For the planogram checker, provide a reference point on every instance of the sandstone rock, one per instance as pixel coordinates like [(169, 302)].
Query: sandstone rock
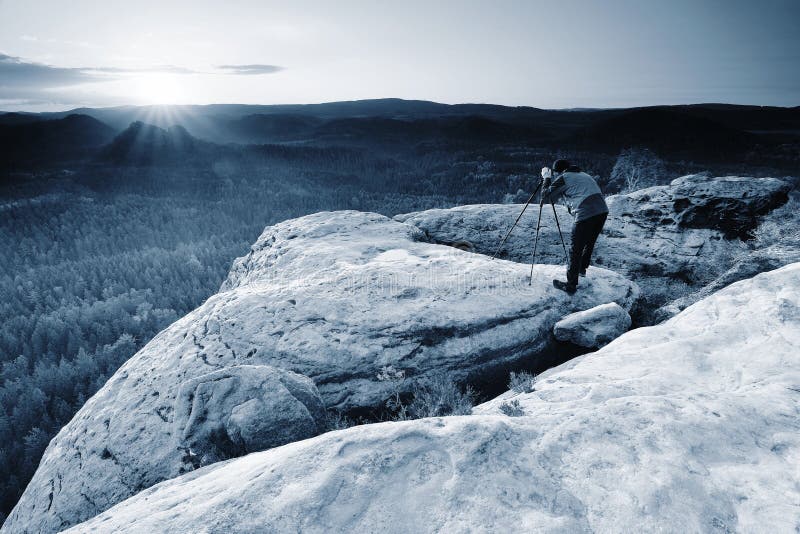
[(671, 239), (336, 297), (483, 227), (730, 205), (244, 408), (677, 427), (594, 327)]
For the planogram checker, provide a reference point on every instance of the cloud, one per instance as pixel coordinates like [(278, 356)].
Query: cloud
[(17, 73), (26, 81), (28, 84), (161, 69), (249, 69)]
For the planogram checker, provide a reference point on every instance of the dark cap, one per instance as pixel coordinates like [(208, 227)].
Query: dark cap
[(560, 165)]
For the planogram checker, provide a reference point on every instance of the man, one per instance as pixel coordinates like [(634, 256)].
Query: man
[(584, 201)]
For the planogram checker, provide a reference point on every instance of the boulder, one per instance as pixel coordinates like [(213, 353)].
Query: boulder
[(336, 297), (242, 409), (671, 239), (676, 427), (730, 204), (594, 327)]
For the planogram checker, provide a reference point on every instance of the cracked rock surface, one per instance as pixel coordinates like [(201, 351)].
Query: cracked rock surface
[(335, 297), (670, 239), (678, 427)]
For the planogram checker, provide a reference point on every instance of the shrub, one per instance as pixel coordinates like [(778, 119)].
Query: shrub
[(512, 409), (779, 227), (397, 407), (439, 396), (394, 403), (636, 168), (389, 374), (522, 382), (336, 420)]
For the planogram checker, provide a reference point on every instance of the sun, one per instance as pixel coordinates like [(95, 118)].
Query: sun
[(157, 88)]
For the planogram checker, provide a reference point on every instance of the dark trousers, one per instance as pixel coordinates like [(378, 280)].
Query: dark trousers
[(584, 236)]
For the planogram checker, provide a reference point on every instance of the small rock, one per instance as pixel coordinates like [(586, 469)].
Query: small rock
[(594, 327)]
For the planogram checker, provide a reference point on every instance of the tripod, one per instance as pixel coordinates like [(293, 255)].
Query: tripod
[(503, 242), (536, 240), (538, 227)]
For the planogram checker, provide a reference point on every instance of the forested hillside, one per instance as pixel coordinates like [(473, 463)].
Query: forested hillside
[(86, 280)]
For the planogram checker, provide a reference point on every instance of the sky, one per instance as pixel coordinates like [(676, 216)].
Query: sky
[(548, 54)]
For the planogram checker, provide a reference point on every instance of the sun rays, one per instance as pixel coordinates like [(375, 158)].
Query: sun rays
[(158, 88)]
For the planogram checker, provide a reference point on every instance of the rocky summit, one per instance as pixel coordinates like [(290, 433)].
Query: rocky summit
[(679, 426), (328, 309), (672, 239)]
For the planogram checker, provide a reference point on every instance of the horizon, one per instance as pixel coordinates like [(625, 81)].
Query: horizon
[(618, 54), (282, 104)]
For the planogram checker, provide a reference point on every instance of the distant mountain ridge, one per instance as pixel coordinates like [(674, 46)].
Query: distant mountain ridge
[(145, 144), (19, 118), (665, 130), (41, 142), (732, 115), (715, 131)]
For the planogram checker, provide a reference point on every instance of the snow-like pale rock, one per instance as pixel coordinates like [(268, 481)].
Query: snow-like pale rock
[(245, 408), (664, 237), (481, 228), (594, 327), (689, 426), (335, 297)]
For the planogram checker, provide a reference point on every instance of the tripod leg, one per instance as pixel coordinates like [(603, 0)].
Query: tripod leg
[(518, 218), (536, 242), (566, 256)]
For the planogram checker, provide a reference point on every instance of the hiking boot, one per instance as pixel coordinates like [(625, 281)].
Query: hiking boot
[(564, 286), (582, 272)]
